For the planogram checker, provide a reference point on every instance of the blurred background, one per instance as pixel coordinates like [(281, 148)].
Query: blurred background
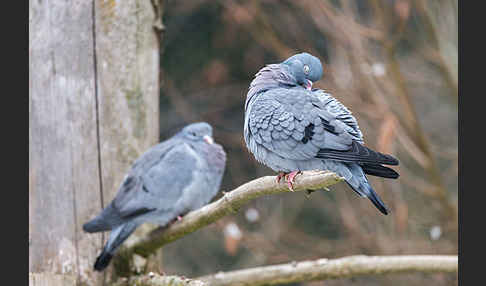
[(394, 64)]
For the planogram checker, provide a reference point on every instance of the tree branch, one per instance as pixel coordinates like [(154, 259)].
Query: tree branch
[(322, 269), (231, 202), (153, 279)]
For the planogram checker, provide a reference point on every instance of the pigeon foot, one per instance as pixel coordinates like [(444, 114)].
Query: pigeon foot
[(308, 193), (280, 176), (290, 179)]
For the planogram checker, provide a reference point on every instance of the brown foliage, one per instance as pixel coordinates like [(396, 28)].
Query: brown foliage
[(390, 62)]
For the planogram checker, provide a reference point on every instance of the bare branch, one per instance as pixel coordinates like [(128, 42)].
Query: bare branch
[(153, 279), (231, 202), (322, 269)]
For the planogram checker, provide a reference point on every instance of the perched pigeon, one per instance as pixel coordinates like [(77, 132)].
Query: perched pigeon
[(172, 178), (291, 127)]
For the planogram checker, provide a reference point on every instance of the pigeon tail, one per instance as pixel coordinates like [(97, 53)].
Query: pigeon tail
[(96, 225), (102, 261), (107, 220), (359, 183), (117, 237), (365, 190), (375, 199)]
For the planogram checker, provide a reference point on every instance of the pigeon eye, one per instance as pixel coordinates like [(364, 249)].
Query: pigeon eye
[(306, 69)]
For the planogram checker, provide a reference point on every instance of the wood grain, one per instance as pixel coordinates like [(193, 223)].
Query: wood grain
[(93, 108)]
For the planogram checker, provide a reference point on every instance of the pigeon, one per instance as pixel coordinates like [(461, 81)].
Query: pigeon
[(291, 127), (172, 178)]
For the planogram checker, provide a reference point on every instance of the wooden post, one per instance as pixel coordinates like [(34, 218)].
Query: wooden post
[(93, 109)]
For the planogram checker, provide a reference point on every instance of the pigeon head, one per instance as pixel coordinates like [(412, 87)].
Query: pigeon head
[(306, 69), (301, 69), (198, 131)]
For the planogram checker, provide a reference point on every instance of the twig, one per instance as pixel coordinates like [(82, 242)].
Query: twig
[(322, 269), (413, 127), (153, 279)]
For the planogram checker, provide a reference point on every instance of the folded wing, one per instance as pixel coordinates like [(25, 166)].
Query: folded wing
[(295, 124)]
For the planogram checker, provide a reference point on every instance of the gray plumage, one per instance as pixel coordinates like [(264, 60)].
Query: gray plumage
[(172, 178), (291, 127)]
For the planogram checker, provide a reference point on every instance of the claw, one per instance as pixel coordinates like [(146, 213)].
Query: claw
[(280, 176), (308, 193), (291, 186), (290, 177)]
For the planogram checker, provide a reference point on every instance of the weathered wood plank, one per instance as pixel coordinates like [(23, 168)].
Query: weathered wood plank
[(49, 279), (74, 92), (127, 49), (63, 169)]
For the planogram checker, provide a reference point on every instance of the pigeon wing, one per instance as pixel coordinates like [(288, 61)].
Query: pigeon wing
[(343, 114), (351, 126), (158, 183), (295, 124)]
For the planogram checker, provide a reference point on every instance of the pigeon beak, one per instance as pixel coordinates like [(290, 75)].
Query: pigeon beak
[(308, 85), (208, 139)]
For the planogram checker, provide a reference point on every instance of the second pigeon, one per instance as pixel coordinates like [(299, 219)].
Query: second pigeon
[(172, 178)]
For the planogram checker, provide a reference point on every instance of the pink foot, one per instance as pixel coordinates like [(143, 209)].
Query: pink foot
[(280, 176), (179, 218), (290, 178)]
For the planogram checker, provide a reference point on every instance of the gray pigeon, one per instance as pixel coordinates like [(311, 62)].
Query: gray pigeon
[(172, 178), (291, 127)]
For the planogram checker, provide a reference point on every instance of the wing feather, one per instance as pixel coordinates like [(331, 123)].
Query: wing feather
[(160, 186), (301, 125)]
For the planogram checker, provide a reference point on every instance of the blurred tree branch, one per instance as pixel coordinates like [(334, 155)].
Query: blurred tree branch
[(446, 45), (412, 125), (381, 60), (320, 269)]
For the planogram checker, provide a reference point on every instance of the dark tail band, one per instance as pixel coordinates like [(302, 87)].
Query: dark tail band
[(377, 202), (117, 236), (102, 261)]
